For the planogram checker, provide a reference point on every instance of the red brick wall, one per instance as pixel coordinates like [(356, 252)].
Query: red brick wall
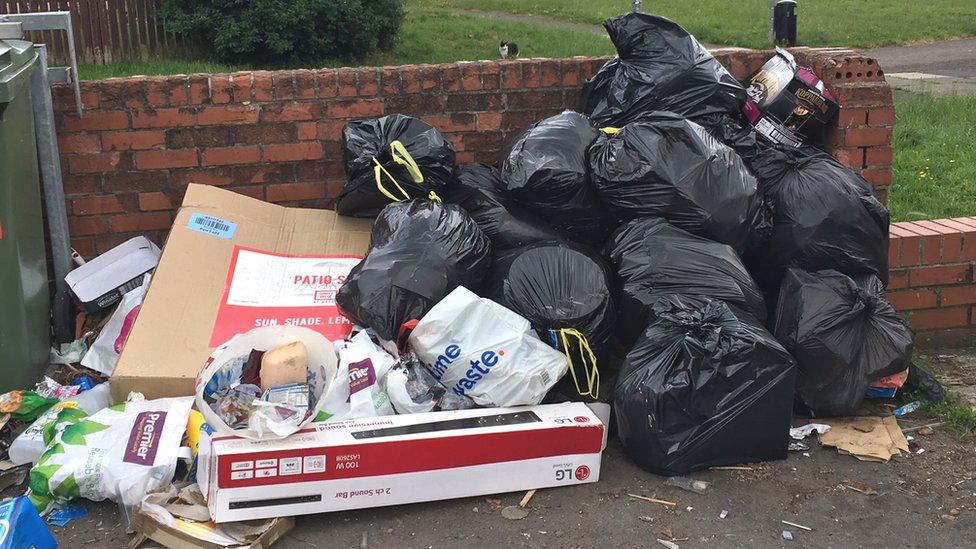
[(276, 136), (932, 278)]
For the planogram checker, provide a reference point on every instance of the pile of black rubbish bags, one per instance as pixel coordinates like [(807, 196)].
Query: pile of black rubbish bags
[(722, 282)]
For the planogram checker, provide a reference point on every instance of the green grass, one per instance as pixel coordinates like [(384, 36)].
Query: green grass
[(958, 417), (934, 172), (859, 23), (159, 66), (429, 35)]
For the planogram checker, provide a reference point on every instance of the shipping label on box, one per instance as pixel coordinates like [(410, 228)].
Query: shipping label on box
[(271, 289), (403, 459)]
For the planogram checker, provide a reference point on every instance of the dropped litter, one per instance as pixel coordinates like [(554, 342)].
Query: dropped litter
[(161, 516), (64, 515), (685, 483), (869, 438), (514, 512), (907, 409), (803, 431), (858, 486)]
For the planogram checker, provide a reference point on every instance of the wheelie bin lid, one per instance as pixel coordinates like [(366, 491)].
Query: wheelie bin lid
[(17, 60)]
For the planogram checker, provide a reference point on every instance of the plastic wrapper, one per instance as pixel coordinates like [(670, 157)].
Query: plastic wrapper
[(48, 388), (565, 293), (419, 252), (232, 408), (504, 222), (843, 333), (545, 170), (104, 352), (413, 389), (25, 405), (392, 158), (118, 453), (824, 216), (233, 405), (652, 259), (479, 349), (359, 387), (705, 385), (659, 67), (666, 166)]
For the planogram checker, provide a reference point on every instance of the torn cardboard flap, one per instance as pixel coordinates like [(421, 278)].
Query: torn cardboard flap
[(163, 515), (171, 338), (870, 438)]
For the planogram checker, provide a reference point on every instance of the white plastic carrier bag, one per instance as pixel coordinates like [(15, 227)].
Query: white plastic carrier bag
[(480, 349)]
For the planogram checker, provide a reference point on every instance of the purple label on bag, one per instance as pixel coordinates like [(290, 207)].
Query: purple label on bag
[(361, 375), (144, 438)]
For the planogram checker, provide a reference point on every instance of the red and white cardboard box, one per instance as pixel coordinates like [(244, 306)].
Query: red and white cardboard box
[(402, 459)]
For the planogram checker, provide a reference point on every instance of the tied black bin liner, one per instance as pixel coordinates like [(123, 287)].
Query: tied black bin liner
[(374, 138), (560, 289), (653, 259), (824, 216), (545, 170), (843, 333), (506, 224), (659, 67), (666, 166), (705, 385), (419, 252)]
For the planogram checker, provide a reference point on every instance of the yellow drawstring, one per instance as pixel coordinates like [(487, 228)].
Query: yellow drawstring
[(610, 130), (400, 156), (591, 371)]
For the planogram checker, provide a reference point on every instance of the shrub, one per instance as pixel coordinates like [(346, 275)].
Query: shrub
[(272, 31)]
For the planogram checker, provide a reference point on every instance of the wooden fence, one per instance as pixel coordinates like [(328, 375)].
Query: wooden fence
[(105, 31)]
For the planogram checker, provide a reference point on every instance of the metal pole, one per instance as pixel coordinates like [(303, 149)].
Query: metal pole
[(638, 6), (74, 66), (49, 160), (772, 23)]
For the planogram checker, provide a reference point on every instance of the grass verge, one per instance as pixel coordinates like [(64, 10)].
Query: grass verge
[(957, 416), (934, 168), (858, 23), (428, 35)]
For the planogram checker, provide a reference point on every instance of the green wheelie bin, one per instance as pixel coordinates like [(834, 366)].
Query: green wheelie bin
[(25, 317)]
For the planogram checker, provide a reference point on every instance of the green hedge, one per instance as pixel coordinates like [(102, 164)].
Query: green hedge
[(272, 31)]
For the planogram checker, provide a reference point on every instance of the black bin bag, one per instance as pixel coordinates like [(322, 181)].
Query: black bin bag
[(419, 252), (564, 291), (545, 170), (843, 333), (659, 67), (392, 158), (505, 223), (651, 259), (705, 385), (666, 166), (824, 216)]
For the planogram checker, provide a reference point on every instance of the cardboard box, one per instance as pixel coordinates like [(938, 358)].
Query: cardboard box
[(103, 281), (231, 263), (402, 459), (201, 535)]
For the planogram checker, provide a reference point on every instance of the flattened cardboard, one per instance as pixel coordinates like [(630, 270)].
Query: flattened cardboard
[(392, 460), (869, 438), (170, 340), (170, 536)]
